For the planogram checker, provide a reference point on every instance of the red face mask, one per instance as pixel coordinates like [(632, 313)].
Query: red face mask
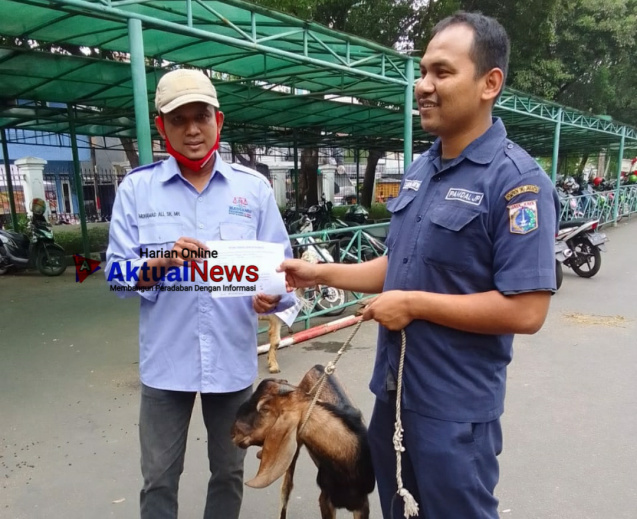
[(193, 165)]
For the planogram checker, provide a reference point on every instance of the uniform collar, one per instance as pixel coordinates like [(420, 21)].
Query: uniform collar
[(170, 168), (482, 150)]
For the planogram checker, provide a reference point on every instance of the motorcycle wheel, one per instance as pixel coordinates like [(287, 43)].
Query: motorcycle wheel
[(559, 275), (587, 259), (330, 297), (4, 266), (51, 264)]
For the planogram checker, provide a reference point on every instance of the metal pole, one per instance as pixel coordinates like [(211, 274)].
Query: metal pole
[(7, 170), (189, 12), (357, 157), (619, 176), (246, 43), (409, 104), (233, 150), (556, 146), (296, 172), (79, 188), (140, 92)]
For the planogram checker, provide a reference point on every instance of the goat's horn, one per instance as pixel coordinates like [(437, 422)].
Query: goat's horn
[(284, 389)]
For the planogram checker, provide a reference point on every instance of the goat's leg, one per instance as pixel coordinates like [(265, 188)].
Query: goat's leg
[(288, 484), (274, 334), (327, 508), (363, 511)]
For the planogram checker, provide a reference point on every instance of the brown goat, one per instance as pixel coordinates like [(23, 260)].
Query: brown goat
[(274, 327), (335, 436), (274, 337)]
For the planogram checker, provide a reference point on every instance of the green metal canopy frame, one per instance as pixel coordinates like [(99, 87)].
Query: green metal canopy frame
[(280, 80), (276, 77)]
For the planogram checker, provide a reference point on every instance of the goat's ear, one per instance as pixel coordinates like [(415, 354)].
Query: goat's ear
[(278, 451)]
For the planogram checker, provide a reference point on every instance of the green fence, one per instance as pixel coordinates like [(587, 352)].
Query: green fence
[(365, 242), (348, 245), (605, 206)]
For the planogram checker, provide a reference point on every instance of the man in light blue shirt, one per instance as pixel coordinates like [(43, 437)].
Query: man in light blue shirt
[(189, 341)]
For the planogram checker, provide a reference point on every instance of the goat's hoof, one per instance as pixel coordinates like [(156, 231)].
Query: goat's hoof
[(274, 369)]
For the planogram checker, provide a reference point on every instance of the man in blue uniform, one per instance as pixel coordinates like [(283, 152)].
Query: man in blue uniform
[(190, 342), (470, 263)]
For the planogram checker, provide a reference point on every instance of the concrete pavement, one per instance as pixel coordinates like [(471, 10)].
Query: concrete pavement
[(69, 396)]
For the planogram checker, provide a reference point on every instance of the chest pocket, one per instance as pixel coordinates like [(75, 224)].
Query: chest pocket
[(397, 204), (397, 207), (159, 235), (451, 239), (237, 231)]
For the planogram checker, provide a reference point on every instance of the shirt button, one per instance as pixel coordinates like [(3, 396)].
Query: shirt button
[(405, 260), (419, 218), (201, 226), (436, 179), (509, 145), (200, 199)]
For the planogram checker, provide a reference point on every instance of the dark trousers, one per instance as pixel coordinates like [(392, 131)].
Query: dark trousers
[(163, 430), (450, 468)]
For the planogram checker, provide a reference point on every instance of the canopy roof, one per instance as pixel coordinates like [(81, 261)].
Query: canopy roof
[(276, 76)]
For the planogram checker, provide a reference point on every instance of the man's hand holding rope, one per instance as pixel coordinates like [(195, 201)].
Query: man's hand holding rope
[(391, 309)]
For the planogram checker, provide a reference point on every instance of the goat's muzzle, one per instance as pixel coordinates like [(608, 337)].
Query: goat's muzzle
[(240, 436)]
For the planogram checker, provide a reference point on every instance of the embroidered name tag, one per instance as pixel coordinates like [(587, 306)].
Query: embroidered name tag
[(240, 207), (523, 217), (521, 189), (412, 184), (240, 211), (470, 197)]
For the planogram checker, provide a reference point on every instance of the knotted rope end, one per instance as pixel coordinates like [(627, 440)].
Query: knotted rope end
[(411, 507)]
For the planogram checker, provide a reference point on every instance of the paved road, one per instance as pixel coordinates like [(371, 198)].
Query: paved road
[(69, 403)]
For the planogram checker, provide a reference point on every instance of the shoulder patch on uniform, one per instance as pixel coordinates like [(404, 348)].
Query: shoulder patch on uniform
[(523, 217), (414, 185), (522, 160), (521, 189), (244, 169), (144, 167)]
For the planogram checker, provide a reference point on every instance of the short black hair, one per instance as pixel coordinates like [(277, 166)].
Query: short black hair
[(491, 45)]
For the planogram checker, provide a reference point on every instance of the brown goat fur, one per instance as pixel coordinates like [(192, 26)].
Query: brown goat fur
[(275, 324), (274, 338), (335, 437)]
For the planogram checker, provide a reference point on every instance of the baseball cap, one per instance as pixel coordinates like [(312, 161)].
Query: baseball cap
[(182, 86)]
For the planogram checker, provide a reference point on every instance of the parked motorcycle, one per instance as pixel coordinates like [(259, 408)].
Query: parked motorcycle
[(309, 248), (358, 215), (19, 251), (578, 245)]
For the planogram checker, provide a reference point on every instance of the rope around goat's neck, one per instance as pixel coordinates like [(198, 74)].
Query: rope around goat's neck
[(329, 369), (411, 506)]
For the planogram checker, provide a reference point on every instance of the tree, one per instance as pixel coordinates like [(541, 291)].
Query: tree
[(131, 152), (580, 53), (576, 52), (367, 193), (386, 22)]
